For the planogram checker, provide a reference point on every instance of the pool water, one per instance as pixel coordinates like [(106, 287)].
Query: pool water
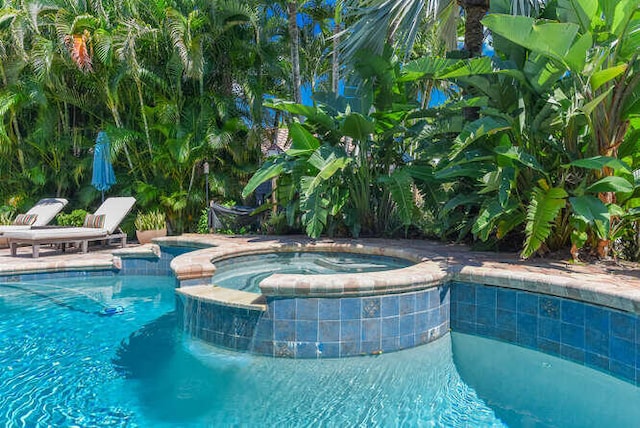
[(246, 272), (62, 364)]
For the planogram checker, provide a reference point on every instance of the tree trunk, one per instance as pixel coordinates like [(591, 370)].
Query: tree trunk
[(335, 65), (474, 11), (292, 8)]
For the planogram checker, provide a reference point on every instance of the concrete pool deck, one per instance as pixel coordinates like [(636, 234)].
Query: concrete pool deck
[(611, 284)]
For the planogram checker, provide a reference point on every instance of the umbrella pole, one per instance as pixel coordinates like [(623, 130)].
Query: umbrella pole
[(102, 196)]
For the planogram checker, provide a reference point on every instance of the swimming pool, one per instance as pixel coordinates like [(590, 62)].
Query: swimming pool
[(63, 364)]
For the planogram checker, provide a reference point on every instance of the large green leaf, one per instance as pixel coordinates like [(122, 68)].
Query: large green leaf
[(315, 207), (611, 184), (485, 222), (580, 12), (597, 163), (601, 77), (357, 127), (270, 169), (517, 154), (592, 211), (327, 160), (541, 213), (302, 141), (549, 39), (399, 185), (478, 128)]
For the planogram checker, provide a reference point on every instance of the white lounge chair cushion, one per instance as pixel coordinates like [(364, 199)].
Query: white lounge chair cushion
[(13, 228), (46, 209), (54, 234), (115, 210)]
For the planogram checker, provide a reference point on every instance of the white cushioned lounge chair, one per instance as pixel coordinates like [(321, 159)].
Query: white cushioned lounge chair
[(114, 211), (45, 210)]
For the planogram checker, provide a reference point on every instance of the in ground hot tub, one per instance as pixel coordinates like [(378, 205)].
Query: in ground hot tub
[(246, 272)]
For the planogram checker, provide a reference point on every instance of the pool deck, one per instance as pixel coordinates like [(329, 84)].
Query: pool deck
[(606, 283)]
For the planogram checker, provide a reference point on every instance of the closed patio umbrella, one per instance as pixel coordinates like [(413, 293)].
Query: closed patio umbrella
[(103, 175)]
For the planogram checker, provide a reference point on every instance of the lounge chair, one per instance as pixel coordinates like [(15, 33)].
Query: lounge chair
[(39, 215), (103, 225)]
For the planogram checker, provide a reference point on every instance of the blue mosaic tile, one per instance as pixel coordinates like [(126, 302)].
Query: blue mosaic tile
[(622, 351), (528, 340), (623, 326), (466, 312), (389, 306), (470, 328), (486, 330), (597, 318), (572, 353), (549, 329), (407, 304), (389, 344), (264, 330), (486, 315), (329, 309), (549, 307), (506, 320), (263, 347), (350, 308), (572, 335), (508, 335), (371, 330), (407, 341), (422, 301), (596, 342), (439, 296), (407, 325), (527, 325), (486, 296), (390, 327), (596, 361), (371, 307), (422, 322), (466, 292), (306, 331), (284, 309), (549, 346), (307, 309), (506, 299), (306, 350), (622, 370), (329, 349), (572, 312), (445, 294), (433, 318), (369, 348), (242, 343), (329, 331), (284, 330), (349, 330), (527, 303), (349, 349)]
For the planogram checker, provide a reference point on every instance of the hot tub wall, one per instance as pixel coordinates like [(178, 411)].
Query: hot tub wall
[(322, 327)]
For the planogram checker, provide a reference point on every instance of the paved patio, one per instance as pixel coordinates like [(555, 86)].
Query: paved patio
[(608, 277)]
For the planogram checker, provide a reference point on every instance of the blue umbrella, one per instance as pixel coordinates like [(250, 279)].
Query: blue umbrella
[(103, 175)]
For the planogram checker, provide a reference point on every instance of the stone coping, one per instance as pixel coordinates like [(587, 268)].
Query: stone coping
[(609, 285), (225, 296)]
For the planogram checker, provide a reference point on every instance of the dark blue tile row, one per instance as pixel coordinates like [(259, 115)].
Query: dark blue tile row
[(602, 338), (325, 328), (56, 275)]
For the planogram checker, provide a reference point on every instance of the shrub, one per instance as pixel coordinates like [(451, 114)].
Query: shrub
[(74, 218), (153, 220)]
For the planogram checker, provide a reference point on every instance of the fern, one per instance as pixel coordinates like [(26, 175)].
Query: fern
[(541, 212), (399, 185)]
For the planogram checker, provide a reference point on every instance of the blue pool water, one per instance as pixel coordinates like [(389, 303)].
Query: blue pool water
[(62, 364), (246, 272)]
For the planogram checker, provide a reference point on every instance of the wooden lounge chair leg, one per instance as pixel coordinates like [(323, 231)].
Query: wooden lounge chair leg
[(85, 246), (35, 250), (14, 248), (124, 241)]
